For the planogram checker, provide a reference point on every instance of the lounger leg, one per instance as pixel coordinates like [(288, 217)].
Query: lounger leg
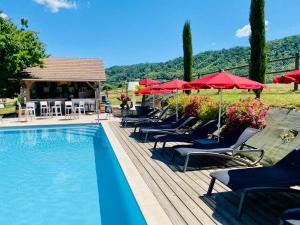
[(241, 206), (186, 163), (164, 145), (211, 186), (155, 144), (134, 130), (146, 137)]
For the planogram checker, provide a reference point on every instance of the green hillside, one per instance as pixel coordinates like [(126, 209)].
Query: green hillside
[(203, 62)]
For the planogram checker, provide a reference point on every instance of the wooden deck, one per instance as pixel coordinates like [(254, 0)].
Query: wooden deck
[(183, 195)]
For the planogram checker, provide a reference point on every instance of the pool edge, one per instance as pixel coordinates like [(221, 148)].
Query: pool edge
[(149, 205)]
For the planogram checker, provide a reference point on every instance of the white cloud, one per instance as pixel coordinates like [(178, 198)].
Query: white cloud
[(3, 15), (56, 5), (245, 31)]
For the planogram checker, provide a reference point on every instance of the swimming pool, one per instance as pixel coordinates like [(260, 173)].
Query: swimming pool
[(62, 175)]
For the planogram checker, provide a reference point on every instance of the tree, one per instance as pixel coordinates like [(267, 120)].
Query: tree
[(24, 23), (106, 88), (187, 52), (19, 49), (258, 56)]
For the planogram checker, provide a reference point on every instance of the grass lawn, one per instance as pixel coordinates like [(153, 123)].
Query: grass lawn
[(9, 108), (280, 95)]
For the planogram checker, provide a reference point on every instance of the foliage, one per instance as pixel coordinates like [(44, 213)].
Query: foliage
[(181, 99), (203, 107), (106, 88), (187, 53), (19, 49), (209, 108), (258, 56), (204, 62), (248, 112)]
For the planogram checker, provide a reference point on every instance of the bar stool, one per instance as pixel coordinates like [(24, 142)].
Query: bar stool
[(69, 111), (30, 108), (80, 107), (56, 109), (22, 111), (44, 108)]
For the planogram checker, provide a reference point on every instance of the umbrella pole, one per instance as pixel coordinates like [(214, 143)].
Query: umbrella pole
[(220, 111), (176, 105), (153, 101)]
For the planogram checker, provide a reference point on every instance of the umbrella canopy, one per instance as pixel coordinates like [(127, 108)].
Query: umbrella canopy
[(290, 77), (148, 82), (150, 90), (224, 80), (171, 85)]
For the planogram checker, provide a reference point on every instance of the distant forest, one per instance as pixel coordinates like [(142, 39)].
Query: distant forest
[(204, 62)]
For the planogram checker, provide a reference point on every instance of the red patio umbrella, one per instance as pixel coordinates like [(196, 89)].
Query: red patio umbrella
[(148, 82), (223, 80), (150, 91), (172, 85), (290, 77)]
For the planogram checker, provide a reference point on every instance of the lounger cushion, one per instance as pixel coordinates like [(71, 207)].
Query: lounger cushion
[(237, 179), (175, 137)]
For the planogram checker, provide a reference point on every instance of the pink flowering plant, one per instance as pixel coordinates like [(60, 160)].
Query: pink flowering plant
[(249, 112)]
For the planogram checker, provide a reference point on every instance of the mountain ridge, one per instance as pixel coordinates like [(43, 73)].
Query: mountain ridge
[(203, 62)]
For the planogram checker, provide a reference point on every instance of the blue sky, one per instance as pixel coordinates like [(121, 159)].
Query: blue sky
[(123, 32)]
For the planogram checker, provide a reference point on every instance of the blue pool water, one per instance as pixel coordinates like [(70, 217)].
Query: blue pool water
[(62, 175)]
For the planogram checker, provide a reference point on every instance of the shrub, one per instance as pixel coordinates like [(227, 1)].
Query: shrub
[(203, 107), (249, 112), (183, 99)]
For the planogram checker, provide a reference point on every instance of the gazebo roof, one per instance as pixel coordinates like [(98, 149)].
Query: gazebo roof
[(67, 69)]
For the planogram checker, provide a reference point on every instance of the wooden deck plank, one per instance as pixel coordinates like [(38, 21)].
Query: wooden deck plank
[(228, 214), (173, 188), (183, 195)]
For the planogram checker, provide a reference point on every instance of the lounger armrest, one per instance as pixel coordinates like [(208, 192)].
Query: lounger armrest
[(167, 131), (251, 150), (270, 189), (291, 215)]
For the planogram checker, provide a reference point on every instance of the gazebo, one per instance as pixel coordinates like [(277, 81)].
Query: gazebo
[(64, 79)]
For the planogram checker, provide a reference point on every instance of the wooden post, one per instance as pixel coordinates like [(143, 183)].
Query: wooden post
[(297, 58), (199, 75), (27, 90)]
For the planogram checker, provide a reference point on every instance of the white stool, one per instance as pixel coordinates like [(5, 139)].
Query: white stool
[(56, 109), (30, 110), (69, 111), (44, 108), (80, 108)]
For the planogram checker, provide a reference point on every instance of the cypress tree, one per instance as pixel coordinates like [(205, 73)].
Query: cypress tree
[(258, 58), (187, 52)]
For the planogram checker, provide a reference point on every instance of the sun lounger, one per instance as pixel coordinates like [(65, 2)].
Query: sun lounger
[(200, 132), (180, 126), (135, 118), (224, 149), (167, 122), (290, 216), (277, 178)]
